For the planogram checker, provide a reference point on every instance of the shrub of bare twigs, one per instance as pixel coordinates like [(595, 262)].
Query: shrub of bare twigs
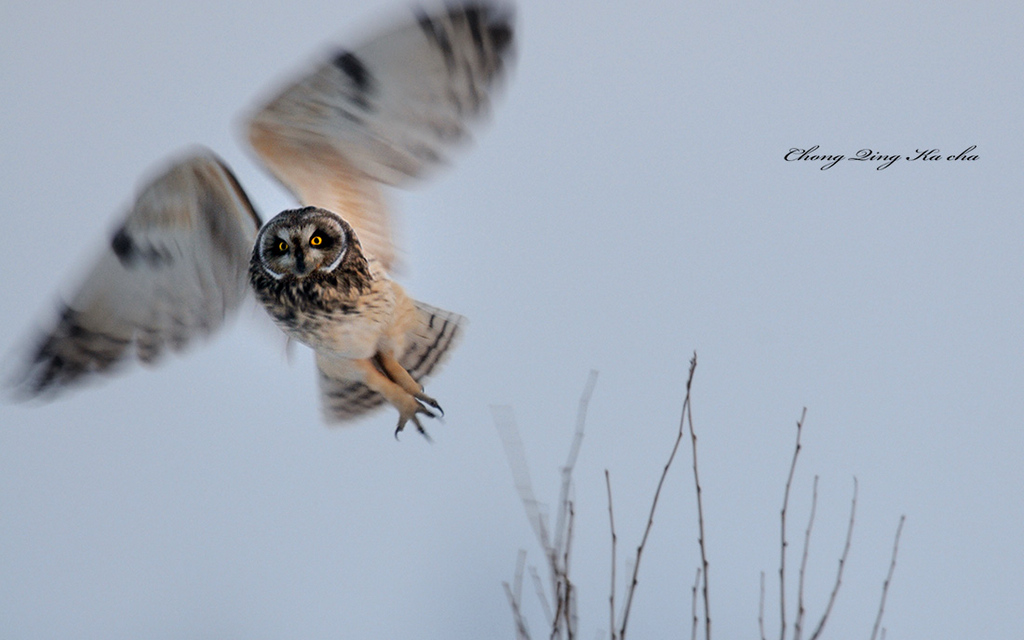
[(558, 598)]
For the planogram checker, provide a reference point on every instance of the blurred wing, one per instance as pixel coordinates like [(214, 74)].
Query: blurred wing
[(389, 110), (174, 269), (426, 346)]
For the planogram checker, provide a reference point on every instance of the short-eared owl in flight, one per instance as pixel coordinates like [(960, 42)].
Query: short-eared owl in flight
[(182, 259)]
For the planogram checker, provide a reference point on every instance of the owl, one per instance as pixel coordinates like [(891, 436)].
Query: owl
[(371, 340), (192, 246)]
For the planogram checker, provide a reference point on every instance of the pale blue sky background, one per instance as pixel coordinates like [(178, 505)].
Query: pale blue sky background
[(628, 204)]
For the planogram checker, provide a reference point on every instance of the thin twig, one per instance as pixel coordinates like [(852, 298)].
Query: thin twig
[(574, 452), (505, 421), (560, 585), (611, 523), (514, 595), (538, 585), (556, 551), (693, 606), (631, 589), (888, 579), (556, 625), (522, 633), (520, 563), (798, 625), (760, 609), (569, 610), (700, 506), (785, 504), (842, 563)]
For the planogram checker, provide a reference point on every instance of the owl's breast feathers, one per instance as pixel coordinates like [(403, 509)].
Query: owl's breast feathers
[(345, 311)]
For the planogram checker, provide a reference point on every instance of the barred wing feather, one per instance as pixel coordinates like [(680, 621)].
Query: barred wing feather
[(384, 112), (173, 271)]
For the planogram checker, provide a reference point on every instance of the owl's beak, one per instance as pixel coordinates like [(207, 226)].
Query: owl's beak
[(301, 269)]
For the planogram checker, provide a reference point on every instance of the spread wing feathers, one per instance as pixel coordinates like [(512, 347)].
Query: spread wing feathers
[(173, 270), (426, 346), (390, 109)]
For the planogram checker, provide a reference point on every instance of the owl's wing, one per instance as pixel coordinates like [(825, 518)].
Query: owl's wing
[(175, 267), (426, 345), (384, 112)]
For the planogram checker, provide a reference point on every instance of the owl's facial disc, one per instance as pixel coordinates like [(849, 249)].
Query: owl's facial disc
[(298, 245)]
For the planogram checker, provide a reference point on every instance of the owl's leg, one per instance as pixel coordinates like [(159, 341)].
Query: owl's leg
[(408, 406), (401, 377)]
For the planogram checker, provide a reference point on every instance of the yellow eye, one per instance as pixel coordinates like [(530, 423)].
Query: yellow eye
[(315, 241), (282, 246)]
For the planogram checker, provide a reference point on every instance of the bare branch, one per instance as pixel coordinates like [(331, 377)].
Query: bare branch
[(514, 594), (631, 589), (574, 452), (522, 633), (760, 609), (611, 522), (888, 579), (538, 585), (842, 563), (798, 625), (518, 578), (505, 421), (700, 505), (785, 504), (693, 607), (556, 551), (569, 609), (556, 625)]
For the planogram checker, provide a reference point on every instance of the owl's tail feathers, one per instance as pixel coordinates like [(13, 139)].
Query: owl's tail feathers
[(427, 343)]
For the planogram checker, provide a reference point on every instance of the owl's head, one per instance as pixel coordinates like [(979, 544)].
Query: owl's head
[(301, 242)]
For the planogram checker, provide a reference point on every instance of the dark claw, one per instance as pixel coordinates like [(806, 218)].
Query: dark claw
[(425, 399), (433, 403), (416, 421), (426, 412), (423, 432)]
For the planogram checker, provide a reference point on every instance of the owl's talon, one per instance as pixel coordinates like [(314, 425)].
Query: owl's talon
[(423, 432), (424, 398), (416, 421)]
